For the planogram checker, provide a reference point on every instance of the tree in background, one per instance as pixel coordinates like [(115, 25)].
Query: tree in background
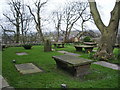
[(19, 18), (84, 17), (57, 18), (72, 13), (15, 18), (25, 20), (108, 33), (37, 17)]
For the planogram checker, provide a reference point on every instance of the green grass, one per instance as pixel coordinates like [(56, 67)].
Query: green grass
[(100, 77), (116, 60)]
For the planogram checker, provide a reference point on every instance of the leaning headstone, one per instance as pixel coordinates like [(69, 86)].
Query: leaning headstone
[(47, 46)]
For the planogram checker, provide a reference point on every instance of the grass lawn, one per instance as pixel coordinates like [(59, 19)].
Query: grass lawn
[(100, 77)]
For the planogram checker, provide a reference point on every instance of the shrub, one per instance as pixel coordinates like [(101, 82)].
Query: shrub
[(90, 55), (27, 46), (118, 54), (87, 39), (3, 47)]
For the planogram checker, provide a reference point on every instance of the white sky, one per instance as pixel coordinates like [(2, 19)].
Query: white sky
[(104, 7)]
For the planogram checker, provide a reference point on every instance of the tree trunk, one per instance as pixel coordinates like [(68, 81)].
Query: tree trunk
[(66, 34), (108, 33), (40, 33), (17, 34), (105, 46), (66, 38), (58, 35), (37, 18)]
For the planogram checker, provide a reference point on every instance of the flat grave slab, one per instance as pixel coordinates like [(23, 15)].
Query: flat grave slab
[(68, 53), (21, 53), (74, 65), (73, 54), (27, 68), (64, 52)]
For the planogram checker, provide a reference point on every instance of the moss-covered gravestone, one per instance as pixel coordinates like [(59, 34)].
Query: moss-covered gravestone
[(74, 65), (47, 46)]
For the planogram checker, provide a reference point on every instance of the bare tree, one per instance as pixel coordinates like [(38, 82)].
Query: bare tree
[(25, 19), (37, 17), (5, 36), (85, 18), (18, 17), (57, 22), (108, 33), (15, 8), (72, 14)]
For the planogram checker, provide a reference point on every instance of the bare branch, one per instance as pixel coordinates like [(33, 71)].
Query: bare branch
[(32, 14), (96, 15), (6, 29), (115, 13), (12, 21)]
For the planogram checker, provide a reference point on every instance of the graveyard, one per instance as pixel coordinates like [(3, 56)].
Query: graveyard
[(65, 44), (48, 75)]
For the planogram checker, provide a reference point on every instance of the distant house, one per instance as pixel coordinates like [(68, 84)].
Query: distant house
[(61, 38)]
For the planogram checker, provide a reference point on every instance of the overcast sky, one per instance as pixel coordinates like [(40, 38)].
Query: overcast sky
[(104, 7)]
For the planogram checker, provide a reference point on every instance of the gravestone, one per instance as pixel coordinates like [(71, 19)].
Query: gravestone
[(21, 53), (64, 52), (74, 65), (72, 54), (3, 82), (68, 53), (27, 68), (47, 46)]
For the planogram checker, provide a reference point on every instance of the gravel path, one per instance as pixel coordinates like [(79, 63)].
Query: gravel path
[(109, 65)]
